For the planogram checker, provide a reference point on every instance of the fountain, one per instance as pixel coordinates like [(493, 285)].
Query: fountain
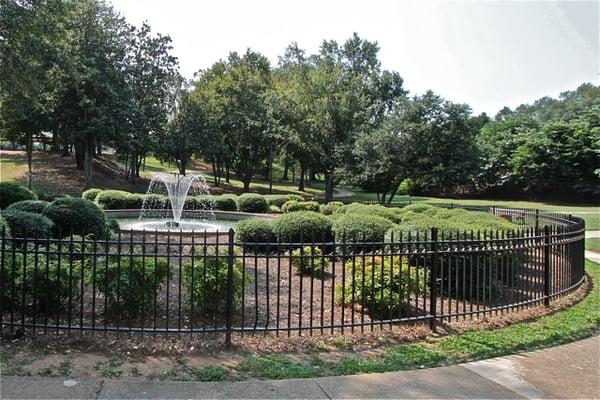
[(172, 202)]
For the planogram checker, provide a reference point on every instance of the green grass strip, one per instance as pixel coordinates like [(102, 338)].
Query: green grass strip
[(576, 322)]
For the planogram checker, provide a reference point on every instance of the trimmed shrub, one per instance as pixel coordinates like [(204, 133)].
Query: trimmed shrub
[(120, 200), (33, 206), (309, 260), (199, 203), (254, 231), (91, 194), (206, 282), (253, 203), (381, 285), (274, 210), (280, 199), (361, 227), (330, 208), (12, 192), (25, 224), (130, 283), (304, 225), (294, 206), (226, 202), (44, 289), (418, 207), (381, 211), (77, 216)]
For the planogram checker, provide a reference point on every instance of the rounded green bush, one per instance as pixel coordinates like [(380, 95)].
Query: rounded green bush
[(294, 206), (253, 231), (112, 199), (91, 194), (199, 203), (24, 224), (131, 283), (252, 203), (308, 260), (34, 206), (419, 207), (206, 282), (226, 202), (381, 211), (302, 225), (76, 216), (382, 285), (280, 199), (361, 227), (12, 192)]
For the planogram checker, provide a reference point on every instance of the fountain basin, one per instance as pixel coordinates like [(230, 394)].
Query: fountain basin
[(191, 222)]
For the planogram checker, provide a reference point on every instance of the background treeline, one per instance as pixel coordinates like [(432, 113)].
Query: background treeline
[(77, 71)]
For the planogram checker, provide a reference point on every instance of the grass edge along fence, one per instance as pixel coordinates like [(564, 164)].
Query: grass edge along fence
[(171, 283)]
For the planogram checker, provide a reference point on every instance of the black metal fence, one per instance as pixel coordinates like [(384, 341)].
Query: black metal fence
[(200, 283)]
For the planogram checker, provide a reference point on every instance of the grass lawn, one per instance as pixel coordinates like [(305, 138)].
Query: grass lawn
[(12, 168), (592, 244)]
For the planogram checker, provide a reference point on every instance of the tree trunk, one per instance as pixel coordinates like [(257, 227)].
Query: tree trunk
[(302, 173), (312, 176), (79, 155), (215, 173), (271, 170), (328, 186), (227, 172), (286, 167), (29, 150), (99, 148), (88, 162)]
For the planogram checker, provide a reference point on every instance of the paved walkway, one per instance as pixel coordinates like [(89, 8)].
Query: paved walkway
[(568, 371)]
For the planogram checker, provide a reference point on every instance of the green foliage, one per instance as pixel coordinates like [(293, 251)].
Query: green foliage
[(380, 211), (361, 227), (11, 193), (293, 206), (24, 224), (330, 208), (34, 206), (302, 226), (4, 227), (131, 283), (274, 210), (252, 203), (76, 216), (280, 199), (46, 281), (225, 202), (91, 194), (120, 200), (254, 231), (309, 260), (381, 285), (206, 282), (406, 187)]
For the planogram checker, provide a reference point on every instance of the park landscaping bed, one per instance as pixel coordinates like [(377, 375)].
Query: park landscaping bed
[(406, 347)]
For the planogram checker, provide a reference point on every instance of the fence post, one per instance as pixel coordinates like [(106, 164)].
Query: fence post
[(229, 299), (547, 265), (433, 279)]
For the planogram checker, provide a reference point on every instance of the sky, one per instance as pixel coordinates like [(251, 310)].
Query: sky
[(487, 54)]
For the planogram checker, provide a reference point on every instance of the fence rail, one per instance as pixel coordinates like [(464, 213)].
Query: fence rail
[(173, 283)]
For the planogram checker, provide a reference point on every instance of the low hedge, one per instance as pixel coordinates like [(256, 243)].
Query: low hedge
[(253, 231), (361, 227), (4, 227), (91, 194), (24, 224), (381, 211), (76, 216), (302, 225), (12, 192), (34, 206), (294, 206), (120, 200), (279, 200), (226, 202), (252, 203), (330, 208)]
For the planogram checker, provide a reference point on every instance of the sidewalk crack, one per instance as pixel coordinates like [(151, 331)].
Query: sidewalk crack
[(323, 390), (99, 389)]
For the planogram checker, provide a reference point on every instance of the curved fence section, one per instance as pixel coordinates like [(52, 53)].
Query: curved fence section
[(172, 283)]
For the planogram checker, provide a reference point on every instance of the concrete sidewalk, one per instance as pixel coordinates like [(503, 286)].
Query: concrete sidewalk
[(568, 371)]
